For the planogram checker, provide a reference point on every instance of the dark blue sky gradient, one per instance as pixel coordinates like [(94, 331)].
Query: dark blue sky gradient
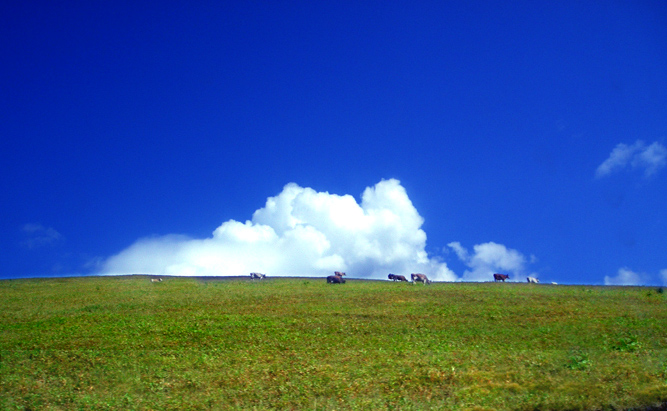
[(125, 120)]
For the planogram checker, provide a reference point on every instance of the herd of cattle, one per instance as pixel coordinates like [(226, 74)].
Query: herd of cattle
[(337, 278)]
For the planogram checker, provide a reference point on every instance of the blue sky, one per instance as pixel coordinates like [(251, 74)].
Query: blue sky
[(454, 138)]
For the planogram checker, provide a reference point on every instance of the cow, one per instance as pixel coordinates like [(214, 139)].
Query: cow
[(258, 276), (532, 280), (500, 277), (392, 277), (156, 280), (400, 278), (420, 278), (335, 279)]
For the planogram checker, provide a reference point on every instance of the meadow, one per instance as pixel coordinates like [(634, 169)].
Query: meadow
[(96, 343)]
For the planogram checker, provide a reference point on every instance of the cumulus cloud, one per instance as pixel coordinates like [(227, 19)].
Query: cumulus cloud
[(639, 155), (625, 277), (299, 232), (490, 258), (36, 235)]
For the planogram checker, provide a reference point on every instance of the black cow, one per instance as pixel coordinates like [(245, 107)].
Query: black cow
[(258, 276), (500, 277), (420, 278), (392, 277)]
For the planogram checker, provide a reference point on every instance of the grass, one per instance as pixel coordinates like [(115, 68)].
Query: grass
[(126, 343)]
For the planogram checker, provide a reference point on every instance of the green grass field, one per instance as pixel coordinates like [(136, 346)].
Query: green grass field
[(126, 343)]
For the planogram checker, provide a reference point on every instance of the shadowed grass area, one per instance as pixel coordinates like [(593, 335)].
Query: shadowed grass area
[(127, 343)]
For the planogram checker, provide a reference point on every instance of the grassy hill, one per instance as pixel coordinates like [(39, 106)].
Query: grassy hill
[(126, 343)]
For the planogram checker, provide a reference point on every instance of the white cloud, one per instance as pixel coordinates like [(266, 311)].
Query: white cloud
[(299, 232), (461, 252), (36, 235), (649, 158), (619, 158), (490, 258), (625, 277)]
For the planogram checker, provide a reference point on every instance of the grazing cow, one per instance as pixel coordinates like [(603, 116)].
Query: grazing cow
[(156, 280), (396, 277), (420, 278), (335, 279), (533, 280), (500, 277), (258, 276)]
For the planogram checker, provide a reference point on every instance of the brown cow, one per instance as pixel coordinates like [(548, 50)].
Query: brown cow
[(420, 278), (500, 277), (335, 279)]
